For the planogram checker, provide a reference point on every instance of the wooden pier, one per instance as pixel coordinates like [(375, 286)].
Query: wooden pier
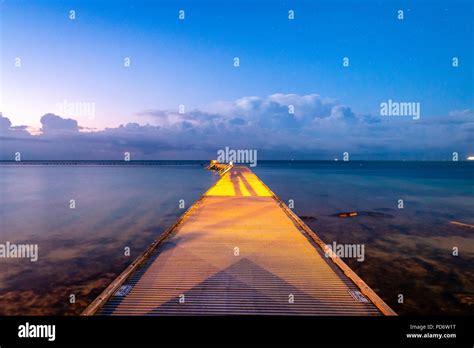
[(239, 250)]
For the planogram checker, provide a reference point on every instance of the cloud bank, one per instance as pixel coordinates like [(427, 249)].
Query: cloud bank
[(279, 126)]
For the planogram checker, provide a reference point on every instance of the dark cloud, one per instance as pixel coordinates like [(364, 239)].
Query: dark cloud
[(53, 124), (5, 124), (319, 128), (7, 131)]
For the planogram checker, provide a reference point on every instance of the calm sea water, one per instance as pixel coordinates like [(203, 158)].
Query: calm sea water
[(81, 250), (408, 251)]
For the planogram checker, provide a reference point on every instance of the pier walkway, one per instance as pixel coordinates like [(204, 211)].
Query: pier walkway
[(238, 250)]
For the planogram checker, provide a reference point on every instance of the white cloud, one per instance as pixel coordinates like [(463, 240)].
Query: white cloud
[(319, 128)]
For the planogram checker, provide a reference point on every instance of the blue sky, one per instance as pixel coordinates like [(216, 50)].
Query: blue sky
[(190, 62)]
